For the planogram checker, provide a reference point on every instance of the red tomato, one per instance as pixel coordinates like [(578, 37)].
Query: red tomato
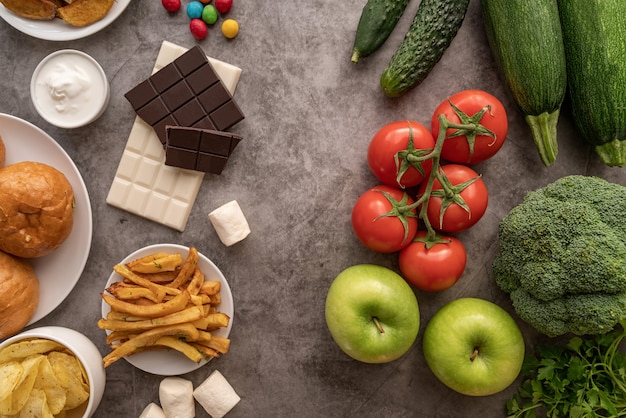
[(381, 220), (432, 269), (471, 102), (394, 139), (455, 217)]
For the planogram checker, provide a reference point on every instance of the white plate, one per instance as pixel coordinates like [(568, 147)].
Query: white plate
[(58, 30), (170, 362), (59, 271)]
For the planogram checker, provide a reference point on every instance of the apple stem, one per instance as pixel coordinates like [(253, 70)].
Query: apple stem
[(378, 325), (474, 354)]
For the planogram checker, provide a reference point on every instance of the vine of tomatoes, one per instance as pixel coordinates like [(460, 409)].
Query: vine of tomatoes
[(427, 191)]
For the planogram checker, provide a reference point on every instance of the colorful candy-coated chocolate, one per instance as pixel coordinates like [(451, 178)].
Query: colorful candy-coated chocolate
[(171, 6), (198, 29), (223, 6), (209, 14), (230, 28), (194, 9)]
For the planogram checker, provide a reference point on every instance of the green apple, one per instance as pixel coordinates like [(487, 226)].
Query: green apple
[(474, 347), (372, 313)]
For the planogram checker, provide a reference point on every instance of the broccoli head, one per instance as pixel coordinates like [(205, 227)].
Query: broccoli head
[(562, 256)]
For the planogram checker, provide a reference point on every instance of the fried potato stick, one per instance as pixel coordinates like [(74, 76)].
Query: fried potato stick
[(187, 349), (156, 263), (134, 278), (197, 279), (148, 338), (156, 310), (212, 321), (125, 291), (186, 315), (187, 269), (211, 287)]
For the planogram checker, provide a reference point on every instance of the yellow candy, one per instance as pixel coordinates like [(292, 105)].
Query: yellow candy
[(230, 28)]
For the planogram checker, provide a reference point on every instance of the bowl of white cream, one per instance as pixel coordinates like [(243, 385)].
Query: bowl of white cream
[(69, 89)]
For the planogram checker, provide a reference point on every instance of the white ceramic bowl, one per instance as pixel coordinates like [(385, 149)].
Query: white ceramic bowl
[(171, 362), (85, 350), (69, 89)]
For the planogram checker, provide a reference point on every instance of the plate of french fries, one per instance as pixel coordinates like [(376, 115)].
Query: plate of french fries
[(68, 20), (167, 310)]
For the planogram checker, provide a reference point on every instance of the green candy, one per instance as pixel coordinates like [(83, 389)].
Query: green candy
[(209, 14)]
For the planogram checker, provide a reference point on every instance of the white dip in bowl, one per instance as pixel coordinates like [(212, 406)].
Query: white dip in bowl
[(69, 89)]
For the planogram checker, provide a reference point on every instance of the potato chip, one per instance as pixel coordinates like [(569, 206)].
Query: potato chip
[(48, 382), (10, 375), (15, 402), (36, 406), (26, 348), (70, 374)]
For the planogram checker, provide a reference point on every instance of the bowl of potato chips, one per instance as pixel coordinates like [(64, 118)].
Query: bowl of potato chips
[(50, 371)]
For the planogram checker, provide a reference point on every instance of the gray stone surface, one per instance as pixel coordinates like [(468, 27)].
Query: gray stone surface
[(310, 114)]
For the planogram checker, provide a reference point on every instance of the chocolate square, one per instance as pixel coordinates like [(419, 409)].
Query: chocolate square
[(141, 94), (226, 115), (165, 78), (187, 92), (177, 95), (199, 149)]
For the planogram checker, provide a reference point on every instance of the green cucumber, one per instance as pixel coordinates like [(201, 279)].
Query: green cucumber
[(526, 41), (594, 32), (378, 20), (434, 26)]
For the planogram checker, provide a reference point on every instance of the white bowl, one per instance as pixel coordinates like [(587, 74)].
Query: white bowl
[(69, 89), (85, 350), (171, 362)]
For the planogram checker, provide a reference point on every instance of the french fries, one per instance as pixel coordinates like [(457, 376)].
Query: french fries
[(164, 302)]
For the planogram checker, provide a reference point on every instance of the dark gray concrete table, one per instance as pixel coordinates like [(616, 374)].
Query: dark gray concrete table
[(310, 114)]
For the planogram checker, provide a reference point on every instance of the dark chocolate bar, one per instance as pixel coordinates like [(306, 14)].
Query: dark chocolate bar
[(198, 149), (187, 92)]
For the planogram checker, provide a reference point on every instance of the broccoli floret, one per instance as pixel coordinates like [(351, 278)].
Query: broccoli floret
[(579, 314), (562, 256)]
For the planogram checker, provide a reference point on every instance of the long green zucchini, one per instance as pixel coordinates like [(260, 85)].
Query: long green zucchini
[(433, 28), (378, 19), (594, 33), (526, 40)]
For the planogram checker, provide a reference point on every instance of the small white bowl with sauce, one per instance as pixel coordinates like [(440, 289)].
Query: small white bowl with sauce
[(69, 89)]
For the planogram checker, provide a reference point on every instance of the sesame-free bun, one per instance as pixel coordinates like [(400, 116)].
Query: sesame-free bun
[(36, 209), (19, 294)]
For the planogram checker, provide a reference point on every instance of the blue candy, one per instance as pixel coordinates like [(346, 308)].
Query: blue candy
[(194, 10)]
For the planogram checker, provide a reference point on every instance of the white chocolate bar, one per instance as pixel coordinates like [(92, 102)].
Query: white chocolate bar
[(143, 184)]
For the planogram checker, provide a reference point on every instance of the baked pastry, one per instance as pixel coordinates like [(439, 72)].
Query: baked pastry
[(84, 12), (19, 294), (36, 209), (32, 9)]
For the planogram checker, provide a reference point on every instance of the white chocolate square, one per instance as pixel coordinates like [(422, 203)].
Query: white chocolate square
[(143, 184), (230, 223)]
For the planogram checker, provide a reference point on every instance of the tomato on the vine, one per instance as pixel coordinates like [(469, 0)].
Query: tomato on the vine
[(382, 219), (394, 152), (476, 107), (460, 202), (433, 267)]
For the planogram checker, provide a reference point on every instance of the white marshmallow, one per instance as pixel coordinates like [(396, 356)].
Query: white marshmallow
[(230, 223), (152, 411), (216, 395), (176, 396)]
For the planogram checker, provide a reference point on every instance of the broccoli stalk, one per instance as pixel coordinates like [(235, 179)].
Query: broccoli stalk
[(562, 256)]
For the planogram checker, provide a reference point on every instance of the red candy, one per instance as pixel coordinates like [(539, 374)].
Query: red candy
[(198, 29), (171, 5), (223, 6)]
